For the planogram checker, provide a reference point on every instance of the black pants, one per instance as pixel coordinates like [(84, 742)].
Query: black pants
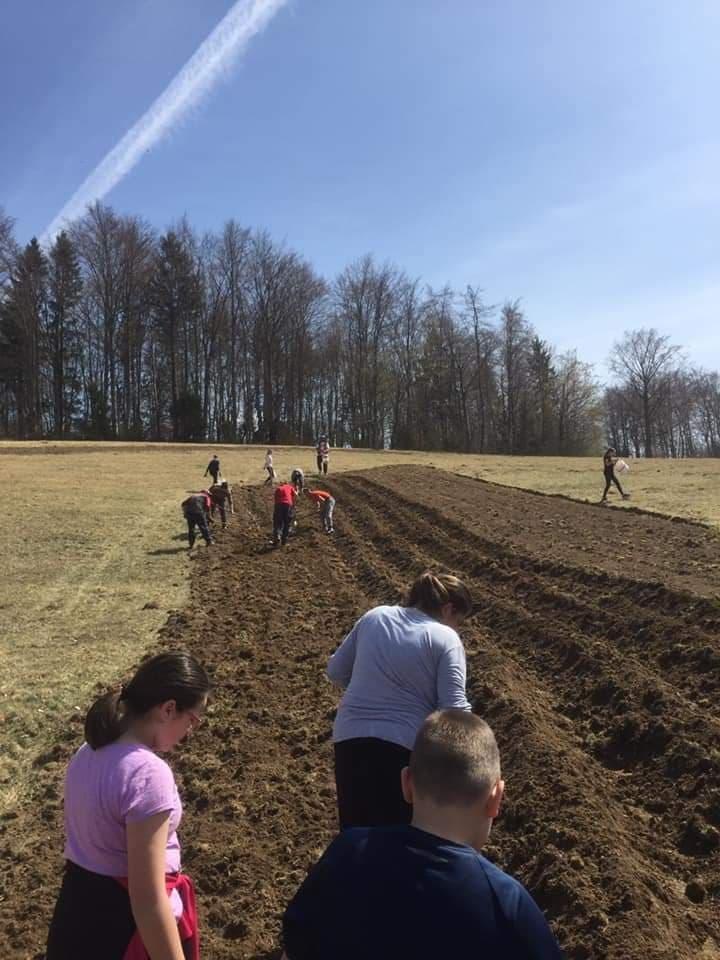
[(219, 505), (367, 779), (610, 478), (92, 918), (197, 520), (282, 518)]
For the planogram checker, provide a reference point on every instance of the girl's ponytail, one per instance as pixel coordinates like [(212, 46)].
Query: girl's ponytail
[(106, 720)]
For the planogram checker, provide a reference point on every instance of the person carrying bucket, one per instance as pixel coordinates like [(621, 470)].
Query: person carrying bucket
[(610, 459)]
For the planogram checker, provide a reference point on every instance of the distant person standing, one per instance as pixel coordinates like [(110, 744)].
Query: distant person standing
[(323, 455), (283, 513), (196, 510), (325, 503), (220, 496), (609, 460), (213, 468), (269, 468)]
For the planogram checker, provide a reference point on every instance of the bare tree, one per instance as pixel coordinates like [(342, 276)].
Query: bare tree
[(364, 299), (485, 340), (514, 343), (8, 249), (639, 360)]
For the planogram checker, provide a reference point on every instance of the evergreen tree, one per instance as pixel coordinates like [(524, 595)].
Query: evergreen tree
[(61, 334), (21, 320)]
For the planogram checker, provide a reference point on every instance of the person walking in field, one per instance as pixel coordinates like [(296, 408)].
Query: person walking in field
[(123, 894), (423, 890), (397, 665), (325, 503), (322, 455), (610, 458), (269, 468), (196, 510), (213, 468), (220, 496), (283, 513)]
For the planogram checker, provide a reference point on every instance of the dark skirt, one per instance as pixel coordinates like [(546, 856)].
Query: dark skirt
[(367, 778), (92, 918)]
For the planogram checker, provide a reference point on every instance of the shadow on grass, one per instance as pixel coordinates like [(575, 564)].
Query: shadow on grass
[(168, 551)]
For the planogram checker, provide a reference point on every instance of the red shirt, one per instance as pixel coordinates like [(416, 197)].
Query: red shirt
[(285, 493)]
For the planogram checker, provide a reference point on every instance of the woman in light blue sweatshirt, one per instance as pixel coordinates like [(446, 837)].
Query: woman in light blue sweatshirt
[(397, 665)]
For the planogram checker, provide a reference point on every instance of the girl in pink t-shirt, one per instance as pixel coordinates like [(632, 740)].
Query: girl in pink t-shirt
[(122, 894)]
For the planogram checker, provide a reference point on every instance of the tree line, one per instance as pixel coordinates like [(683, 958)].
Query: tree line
[(118, 332)]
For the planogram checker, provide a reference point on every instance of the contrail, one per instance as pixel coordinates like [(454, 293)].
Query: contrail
[(194, 81)]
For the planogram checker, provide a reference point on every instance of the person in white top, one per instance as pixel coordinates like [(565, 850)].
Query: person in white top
[(322, 455), (397, 665), (269, 468)]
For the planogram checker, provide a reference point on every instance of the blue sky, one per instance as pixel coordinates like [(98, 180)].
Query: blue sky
[(565, 152)]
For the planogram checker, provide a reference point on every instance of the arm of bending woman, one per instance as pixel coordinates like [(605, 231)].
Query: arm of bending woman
[(146, 842), (451, 678), (340, 665)]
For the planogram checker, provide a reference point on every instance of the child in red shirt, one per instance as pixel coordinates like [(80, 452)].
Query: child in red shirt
[(283, 513)]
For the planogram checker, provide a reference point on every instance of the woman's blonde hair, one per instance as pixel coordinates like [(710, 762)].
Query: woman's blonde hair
[(431, 591)]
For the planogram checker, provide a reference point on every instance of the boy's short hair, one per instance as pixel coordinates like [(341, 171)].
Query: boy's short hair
[(455, 759)]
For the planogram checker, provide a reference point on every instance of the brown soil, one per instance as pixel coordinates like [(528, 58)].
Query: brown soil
[(594, 652)]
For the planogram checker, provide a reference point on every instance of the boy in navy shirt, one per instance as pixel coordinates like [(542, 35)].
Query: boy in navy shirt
[(423, 892)]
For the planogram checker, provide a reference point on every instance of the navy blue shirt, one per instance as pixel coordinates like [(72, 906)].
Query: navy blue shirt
[(389, 893)]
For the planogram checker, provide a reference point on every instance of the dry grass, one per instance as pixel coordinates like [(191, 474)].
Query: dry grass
[(97, 540)]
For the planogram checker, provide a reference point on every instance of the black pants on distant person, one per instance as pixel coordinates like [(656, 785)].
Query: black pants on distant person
[(610, 478), (283, 515), (197, 520), (219, 505), (367, 778)]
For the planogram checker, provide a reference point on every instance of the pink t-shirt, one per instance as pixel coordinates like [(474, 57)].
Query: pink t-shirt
[(108, 788)]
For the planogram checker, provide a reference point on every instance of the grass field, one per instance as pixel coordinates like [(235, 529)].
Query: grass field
[(96, 559)]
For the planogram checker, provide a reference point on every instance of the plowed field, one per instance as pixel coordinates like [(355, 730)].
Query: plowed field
[(594, 652)]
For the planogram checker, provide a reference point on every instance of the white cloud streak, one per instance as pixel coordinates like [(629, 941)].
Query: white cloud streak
[(211, 61)]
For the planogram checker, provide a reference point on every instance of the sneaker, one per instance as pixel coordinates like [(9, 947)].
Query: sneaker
[(626, 496)]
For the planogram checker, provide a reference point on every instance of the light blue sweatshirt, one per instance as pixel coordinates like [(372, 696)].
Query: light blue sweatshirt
[(398, 665)]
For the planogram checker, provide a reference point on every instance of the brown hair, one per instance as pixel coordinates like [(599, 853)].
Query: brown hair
[(167, 676), (455, 760), (432, 591)]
